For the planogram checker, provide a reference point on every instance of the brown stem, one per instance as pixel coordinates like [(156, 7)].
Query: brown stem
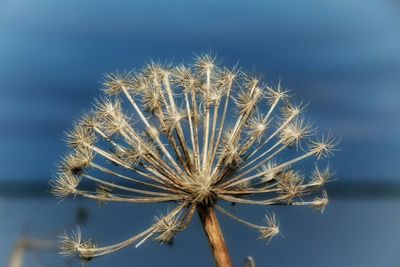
[(215, 238)]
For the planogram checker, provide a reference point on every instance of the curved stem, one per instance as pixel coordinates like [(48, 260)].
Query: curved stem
[(213, 232)]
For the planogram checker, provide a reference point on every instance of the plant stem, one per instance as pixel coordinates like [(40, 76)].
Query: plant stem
[(215, 238)]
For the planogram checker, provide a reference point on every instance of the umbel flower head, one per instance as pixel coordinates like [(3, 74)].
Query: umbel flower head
[(194, 136)]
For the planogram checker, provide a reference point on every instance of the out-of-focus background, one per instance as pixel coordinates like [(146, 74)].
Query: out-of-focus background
[(343, 56)]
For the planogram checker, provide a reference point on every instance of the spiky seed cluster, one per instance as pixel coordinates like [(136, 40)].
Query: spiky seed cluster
[(191, 135), (74, 245), (167, 229), (271, 229)]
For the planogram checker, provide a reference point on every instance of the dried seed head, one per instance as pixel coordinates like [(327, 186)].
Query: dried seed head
[(65, 185), (295, 131), (80, 137), (184, 77), (113, 83), (290, 183), (77, 161), (271, 229), (205, 63), (270, 171), (230, 151), (88, 120), (320, 203), (214, 96), (74, 246), (226, 79), (172, 120), (109, 116), (292, 110), (232, 155), (275, 95), (180, 149), (152, 99), (154, 72), (138, 84), (256, 126), (167, 227), (321, 177), (324, 146), (246, 101), (251, 82)]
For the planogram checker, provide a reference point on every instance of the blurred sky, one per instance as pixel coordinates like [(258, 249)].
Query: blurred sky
[(343, 56)]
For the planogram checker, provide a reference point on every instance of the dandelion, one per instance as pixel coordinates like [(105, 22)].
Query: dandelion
[(194, 137)]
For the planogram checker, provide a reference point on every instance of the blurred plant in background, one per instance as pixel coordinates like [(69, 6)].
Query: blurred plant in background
[(194, 136), (39, 245)]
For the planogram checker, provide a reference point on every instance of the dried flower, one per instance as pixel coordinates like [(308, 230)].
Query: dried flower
[(65, 185), (174, 136), (74, 245), (320, 203), (271, 229), (167, 228)]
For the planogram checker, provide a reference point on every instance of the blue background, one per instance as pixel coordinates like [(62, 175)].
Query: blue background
[(343, 56)]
